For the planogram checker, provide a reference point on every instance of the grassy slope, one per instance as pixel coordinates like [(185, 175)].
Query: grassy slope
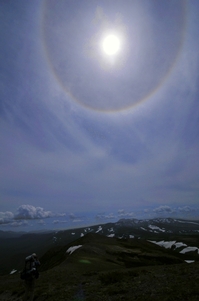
[(110, 269)]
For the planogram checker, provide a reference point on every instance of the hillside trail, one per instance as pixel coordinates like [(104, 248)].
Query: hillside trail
[(154, 283), (8, 296)]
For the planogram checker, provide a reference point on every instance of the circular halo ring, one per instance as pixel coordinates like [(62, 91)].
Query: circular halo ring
[(126, 107)]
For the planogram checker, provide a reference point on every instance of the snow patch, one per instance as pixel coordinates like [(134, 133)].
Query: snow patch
[(189, 249), (169, 244), (54, 239), (156, 228), (111, 230), (165, 244), (111, 235), (189, 261), (99, 229), (180, 244), (72, 249), (13, 271), (185, 222)]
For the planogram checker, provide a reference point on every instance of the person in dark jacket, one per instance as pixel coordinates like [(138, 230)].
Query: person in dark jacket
[(31, 273)]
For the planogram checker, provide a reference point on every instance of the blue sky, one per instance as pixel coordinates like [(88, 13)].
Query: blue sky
[(86, 137)]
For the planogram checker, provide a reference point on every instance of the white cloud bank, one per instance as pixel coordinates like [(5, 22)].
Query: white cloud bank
[(6, 217), (163, 210), (33, 217), (186, 209), (178, 212), (31, 212), (123, 214), (105, 217)]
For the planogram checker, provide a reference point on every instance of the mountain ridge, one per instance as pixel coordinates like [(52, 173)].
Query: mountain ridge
[(97, 267), (181, 231)]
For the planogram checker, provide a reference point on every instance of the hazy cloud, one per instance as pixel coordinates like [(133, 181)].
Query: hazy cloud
[(6, 217), (61, 214), (72, 216), (110, 216), (78, 220), (100, 216), (186, 209), (56, 221), (18, 223), (122, 213), (59, 222), (103, 216), (31, 212), (163, 210), (41, 222)]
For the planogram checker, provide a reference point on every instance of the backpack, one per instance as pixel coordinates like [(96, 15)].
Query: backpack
[(28, 273), (23, 274)]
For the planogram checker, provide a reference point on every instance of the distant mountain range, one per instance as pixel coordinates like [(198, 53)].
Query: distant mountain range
[(161, 225)]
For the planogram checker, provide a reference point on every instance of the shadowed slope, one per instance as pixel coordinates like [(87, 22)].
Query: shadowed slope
[(99, 268), (99, 252)]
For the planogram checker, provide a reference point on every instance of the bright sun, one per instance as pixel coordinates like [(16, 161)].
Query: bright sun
[(111, 44)]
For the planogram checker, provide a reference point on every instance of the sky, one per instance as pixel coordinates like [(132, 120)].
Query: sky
[(91, 137)]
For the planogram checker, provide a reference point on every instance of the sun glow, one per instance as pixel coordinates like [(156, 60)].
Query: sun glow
[(111, 45)]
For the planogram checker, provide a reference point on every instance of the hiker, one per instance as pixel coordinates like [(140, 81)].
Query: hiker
[(29, 274)]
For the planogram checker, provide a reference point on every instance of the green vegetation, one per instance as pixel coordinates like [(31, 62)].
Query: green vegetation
[(108, 269)]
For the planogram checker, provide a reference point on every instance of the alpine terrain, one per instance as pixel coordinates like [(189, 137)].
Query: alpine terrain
[(129, 260)]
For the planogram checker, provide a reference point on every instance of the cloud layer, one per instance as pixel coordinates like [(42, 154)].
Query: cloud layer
[(6, 217), (65, 143), (32, 218), (31, 212)]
